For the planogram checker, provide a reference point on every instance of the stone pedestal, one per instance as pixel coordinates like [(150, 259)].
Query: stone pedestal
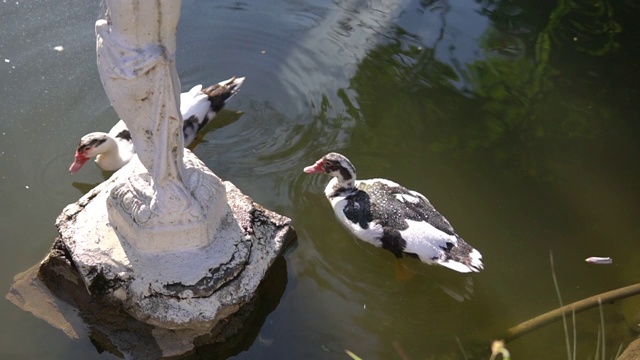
[(178, 300), (164, 249), (172, 290)]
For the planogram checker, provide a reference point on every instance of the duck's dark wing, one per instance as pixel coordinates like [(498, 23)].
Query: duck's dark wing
[(358, 209), (393, 204)]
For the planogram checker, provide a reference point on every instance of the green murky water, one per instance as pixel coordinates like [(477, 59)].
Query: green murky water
[(517, 120)]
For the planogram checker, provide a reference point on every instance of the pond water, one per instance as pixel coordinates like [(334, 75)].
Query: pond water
[(518, 120)]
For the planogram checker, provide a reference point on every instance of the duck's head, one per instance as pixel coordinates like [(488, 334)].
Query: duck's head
[(336, 165), (90, 146)]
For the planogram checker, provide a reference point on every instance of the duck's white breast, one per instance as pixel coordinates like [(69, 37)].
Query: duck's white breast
[(371, 235)]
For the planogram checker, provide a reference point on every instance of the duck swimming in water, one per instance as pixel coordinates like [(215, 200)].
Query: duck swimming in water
[(388, 215), (115, 149)]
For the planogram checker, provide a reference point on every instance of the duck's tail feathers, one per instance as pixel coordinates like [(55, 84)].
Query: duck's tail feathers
[(469, 262), (219, 94)]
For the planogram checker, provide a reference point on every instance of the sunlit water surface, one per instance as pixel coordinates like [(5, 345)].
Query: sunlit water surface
[(519, 122)]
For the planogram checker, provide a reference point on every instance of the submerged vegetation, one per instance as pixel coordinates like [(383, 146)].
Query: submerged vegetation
[(526, 109)]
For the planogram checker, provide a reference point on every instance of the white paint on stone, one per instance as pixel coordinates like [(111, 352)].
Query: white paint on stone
[(162, 288), (167, 205)]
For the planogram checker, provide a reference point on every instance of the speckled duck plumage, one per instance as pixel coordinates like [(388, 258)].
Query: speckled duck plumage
[(388, 215)]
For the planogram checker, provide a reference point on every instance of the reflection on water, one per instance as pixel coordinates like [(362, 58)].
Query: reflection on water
[(517, 121)]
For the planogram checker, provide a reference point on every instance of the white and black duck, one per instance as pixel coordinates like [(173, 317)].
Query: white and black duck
[(388, 215), (115, 149)]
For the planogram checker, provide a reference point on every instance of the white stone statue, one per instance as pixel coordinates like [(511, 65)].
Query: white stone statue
[(136, 61), (164, 241), (171, 206)]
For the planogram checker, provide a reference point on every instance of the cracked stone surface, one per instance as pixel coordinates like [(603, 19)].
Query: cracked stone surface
[(74, 311), (186, 292), (173, 290)]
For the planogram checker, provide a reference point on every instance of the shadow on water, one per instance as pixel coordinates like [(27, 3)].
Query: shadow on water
[(248, 333), (114, 331)]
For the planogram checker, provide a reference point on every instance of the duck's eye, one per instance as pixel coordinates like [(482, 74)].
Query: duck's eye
[(327, 163)]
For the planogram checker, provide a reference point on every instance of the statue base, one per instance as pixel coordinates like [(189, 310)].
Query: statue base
[(185, 292), (172, 216)]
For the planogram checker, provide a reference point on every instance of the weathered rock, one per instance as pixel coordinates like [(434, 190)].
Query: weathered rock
[(173, 290), (117, 332), (175, 298)]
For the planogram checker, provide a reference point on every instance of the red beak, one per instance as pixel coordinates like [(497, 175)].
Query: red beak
[(315, 168), (77, 164)]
